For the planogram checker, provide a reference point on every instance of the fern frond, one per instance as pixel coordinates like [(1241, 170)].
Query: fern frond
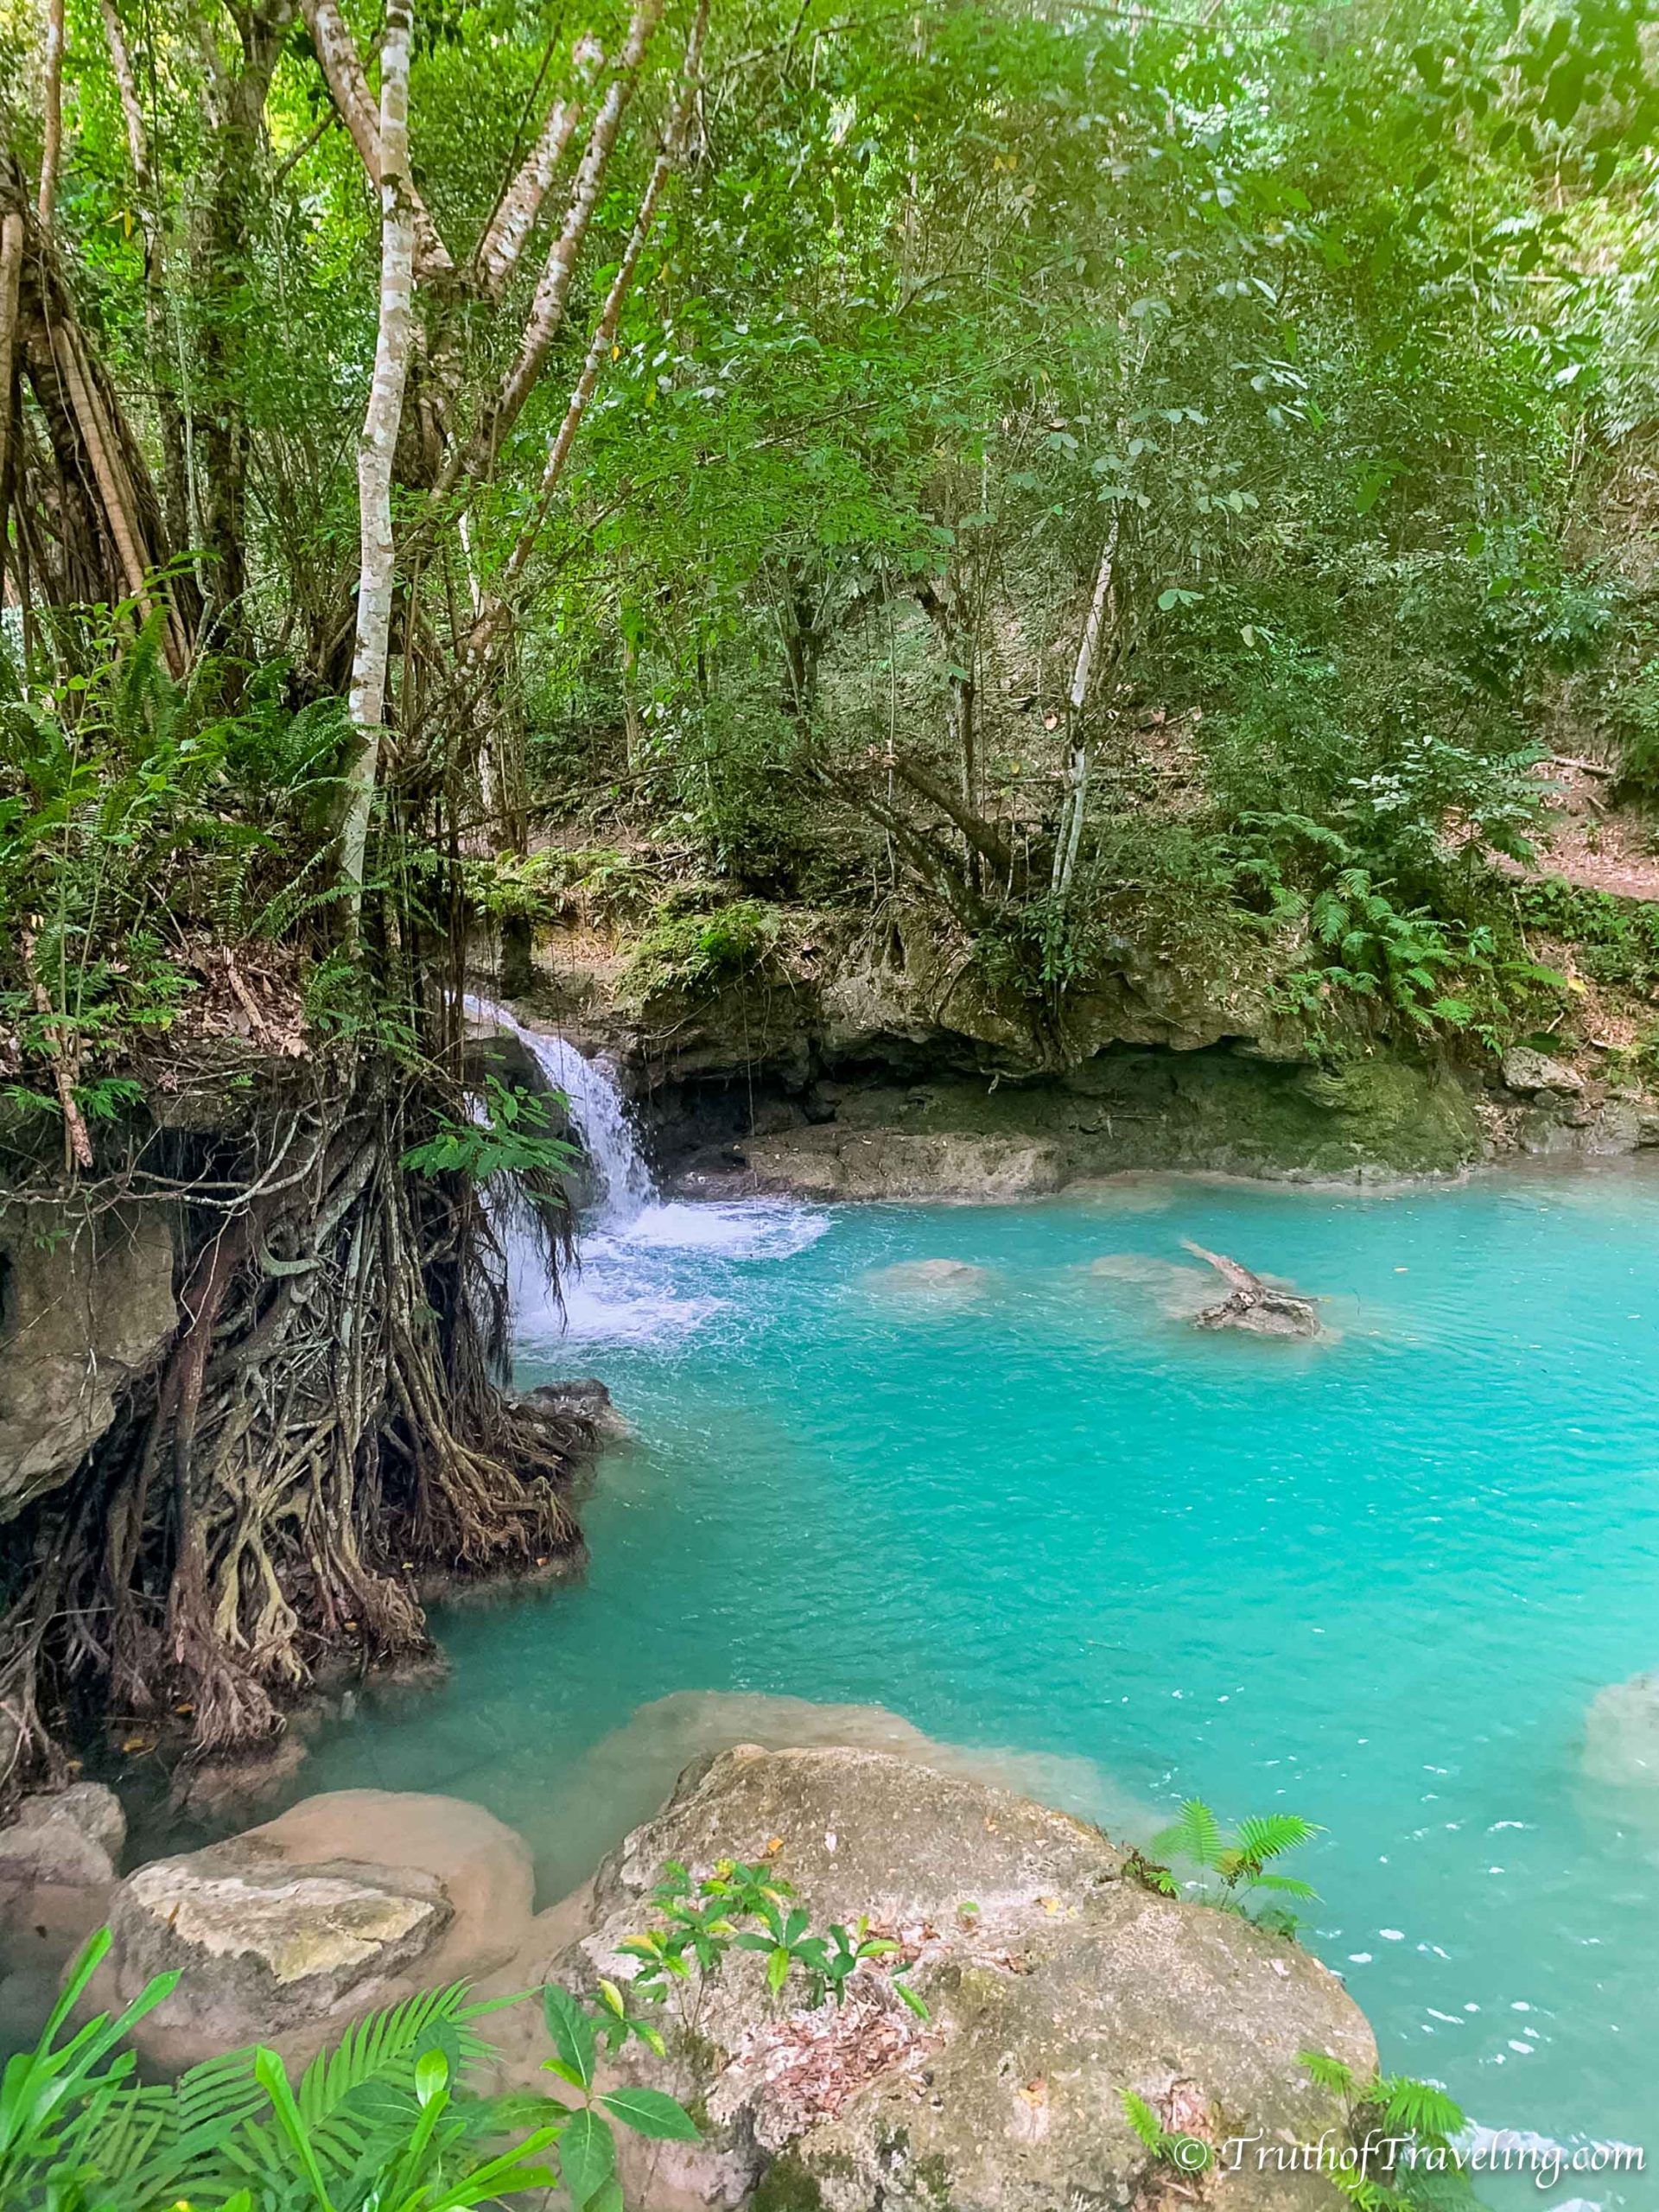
[(1142, 2118), (1332, 2074), (1196, 1834), (1419, 2108), (1287, 1886), (1268, 1835)]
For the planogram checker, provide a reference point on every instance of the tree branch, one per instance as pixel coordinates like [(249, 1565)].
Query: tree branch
[(342, 69), (547, 309)]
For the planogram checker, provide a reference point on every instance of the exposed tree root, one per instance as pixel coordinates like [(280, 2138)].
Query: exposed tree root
[(328, 1424)]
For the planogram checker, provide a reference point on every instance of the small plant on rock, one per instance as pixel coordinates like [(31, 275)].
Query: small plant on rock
[(1234, 1870), (1186, 2154), (1412, 2124)]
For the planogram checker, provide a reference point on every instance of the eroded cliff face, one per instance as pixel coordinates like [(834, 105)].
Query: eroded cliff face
[(850, 1074), (854, 1070), (86, 1309)]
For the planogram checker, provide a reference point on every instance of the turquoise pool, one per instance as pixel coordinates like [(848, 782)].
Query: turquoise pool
[(1027, 1508)]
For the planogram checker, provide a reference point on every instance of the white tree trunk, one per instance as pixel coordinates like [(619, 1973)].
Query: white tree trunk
[(376, 451), (1070, 831)]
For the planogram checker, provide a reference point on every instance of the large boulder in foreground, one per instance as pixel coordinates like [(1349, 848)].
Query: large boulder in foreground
[(1054, 1979), (285, 1935)]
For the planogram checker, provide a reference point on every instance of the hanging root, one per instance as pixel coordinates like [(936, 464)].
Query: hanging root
[(330, 1425)]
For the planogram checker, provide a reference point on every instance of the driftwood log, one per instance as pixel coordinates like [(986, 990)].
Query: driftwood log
[(1252, 1304)]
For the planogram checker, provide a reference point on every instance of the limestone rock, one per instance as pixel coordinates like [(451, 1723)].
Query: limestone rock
[(1621, 1732), (345, 1902), (1054, 1982), (60, 1835), (83, 1314), (623, 1779), (57, 1872), (589, 1398), (1528, 1071)]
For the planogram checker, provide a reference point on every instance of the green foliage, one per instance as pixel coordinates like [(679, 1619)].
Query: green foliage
[(1236, 1871), (699, 953), (1412, 2124), (1615, 940), (511, 1135), (138, 813), (385, 2120), (1186, 2154), (750, 1909)]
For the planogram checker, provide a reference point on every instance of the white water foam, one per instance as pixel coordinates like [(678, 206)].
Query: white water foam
[(627, 1288)]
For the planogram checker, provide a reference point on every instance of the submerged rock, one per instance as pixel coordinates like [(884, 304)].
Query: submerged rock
[(1054, 1982), (1621, 1731), (1180, 1292), (345, 1902), (1253, 1304), (930, 1278)]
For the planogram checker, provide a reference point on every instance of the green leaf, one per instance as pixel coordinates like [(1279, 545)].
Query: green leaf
[(587, 2156), (1195, 1834), (652, 2111), (572, 2031)]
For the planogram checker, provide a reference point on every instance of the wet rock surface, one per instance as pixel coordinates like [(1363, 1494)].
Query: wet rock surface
[(58, 1862)]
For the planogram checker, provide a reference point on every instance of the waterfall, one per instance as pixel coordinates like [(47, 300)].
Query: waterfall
[(647, 1271), (624, 1188)]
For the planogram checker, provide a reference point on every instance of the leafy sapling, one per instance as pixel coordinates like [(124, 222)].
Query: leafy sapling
[(1233, 1869)]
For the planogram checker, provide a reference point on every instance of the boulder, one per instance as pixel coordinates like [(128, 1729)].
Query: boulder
[(1621, 1732), (58, 1863), (86, 1307), (346, 1902), (1055, 1981), (623, 1779), (1530, 1071), (590, 1400)]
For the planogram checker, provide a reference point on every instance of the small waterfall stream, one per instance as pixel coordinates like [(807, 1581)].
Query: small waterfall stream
[(648, 1269), (624, 1187)]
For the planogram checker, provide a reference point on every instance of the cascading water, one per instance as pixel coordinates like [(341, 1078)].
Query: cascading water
[(623, 1184), (646, 1269)]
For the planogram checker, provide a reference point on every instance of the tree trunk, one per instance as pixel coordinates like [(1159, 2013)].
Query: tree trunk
[(11, 274), (1069, 836), (51, 118), (379, 448), (336, 52)]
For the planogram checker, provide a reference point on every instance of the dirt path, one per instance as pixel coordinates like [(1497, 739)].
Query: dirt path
[(1590, 841)]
